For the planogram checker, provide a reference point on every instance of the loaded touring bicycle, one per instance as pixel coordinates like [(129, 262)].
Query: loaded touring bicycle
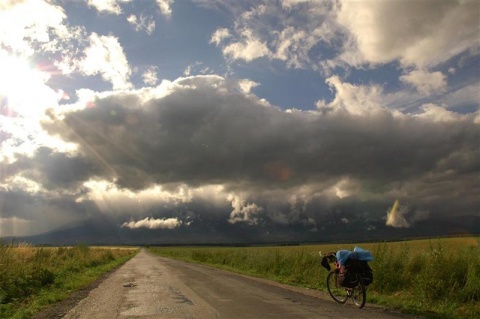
[(351, 275)]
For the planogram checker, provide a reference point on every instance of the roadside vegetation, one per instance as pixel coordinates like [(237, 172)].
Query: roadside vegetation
[(33, 277), (437, 278)]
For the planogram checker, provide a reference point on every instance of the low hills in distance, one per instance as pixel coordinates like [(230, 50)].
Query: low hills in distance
[(93, 232)]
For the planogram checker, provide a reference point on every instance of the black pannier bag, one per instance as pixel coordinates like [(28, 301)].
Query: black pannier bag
[(347, 279), (366, 271), (360, 267)]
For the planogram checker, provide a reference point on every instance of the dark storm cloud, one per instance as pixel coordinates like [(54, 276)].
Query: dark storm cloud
[(288, 167), (26, 212), (53, 170), (13, 203)]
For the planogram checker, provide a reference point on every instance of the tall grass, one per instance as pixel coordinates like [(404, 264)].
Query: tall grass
[(28, 272), (437, 278)]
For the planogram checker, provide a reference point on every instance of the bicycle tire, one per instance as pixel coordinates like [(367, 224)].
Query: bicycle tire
[(359, 295), (337, 292)]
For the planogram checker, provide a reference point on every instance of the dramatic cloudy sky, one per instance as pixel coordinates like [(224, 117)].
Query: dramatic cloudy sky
[(167, 114)]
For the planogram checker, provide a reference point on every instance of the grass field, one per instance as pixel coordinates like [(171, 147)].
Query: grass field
[(34, 277), (437, 278)]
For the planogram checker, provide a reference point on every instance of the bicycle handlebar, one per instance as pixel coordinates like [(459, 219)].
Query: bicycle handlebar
[(327, 259)]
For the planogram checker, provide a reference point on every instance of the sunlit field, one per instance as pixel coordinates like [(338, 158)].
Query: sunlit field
[(34, 277), (436, 278)]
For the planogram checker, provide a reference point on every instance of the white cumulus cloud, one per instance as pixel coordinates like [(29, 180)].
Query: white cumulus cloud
[(418, 33), (105, 56), (219, 36), (356, 99), (165, 7), (152, 223), (107, 6), (29, 22), (150, 76), (426, 82), (142, 23), (244, 212), (248, 48)]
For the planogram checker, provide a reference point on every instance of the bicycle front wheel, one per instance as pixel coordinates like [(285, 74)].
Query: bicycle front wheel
[(338, 293), (359, 293)]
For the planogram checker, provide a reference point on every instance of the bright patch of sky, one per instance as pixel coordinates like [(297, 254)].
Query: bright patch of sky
[(277, 95)]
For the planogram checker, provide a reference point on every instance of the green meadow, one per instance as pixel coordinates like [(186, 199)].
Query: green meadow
[(31, 278), (436, 278)]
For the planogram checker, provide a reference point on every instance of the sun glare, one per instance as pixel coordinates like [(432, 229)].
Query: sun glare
[(24, 97), (23, 89)]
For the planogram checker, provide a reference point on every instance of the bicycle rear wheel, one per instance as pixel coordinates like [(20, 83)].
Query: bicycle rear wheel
[(338, 293), (359, 293)]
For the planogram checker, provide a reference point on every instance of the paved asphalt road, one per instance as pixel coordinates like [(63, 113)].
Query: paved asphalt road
[(148, 286)]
